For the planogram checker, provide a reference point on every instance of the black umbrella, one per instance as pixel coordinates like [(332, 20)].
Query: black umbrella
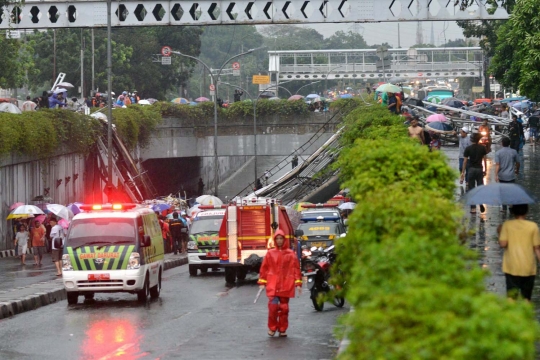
[(452, 102), (499, 194), (267, 94), (440, 127)]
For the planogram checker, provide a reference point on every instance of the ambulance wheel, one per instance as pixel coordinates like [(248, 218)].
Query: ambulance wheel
[(142, 295), (204, 270), (192, 270), (72, 298), (230, 275), (241, 274), (88, 296), (154, 292)]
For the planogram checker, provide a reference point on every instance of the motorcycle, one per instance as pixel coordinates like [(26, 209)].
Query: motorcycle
[(316, 264)]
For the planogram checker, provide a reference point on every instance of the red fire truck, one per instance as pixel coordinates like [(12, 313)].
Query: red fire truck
[(247, 232)]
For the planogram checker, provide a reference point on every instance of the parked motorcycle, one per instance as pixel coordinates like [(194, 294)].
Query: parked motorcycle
[(316, 264)]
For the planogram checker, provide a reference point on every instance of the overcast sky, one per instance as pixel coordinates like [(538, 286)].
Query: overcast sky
[(377, 33)]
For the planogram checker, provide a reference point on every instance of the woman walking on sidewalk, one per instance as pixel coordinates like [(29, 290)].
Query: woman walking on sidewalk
[(21, 241)]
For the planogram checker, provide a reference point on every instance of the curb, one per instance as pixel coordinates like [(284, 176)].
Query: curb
[(40, 299), (344, 343), (11, 253)]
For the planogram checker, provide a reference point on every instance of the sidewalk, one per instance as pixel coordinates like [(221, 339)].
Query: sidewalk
[(27, 287)]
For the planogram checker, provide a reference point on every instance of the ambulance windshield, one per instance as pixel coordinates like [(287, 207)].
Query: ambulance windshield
[(101, 230), (207, 224)]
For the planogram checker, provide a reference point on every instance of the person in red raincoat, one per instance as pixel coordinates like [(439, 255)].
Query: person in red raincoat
[(280, 274)]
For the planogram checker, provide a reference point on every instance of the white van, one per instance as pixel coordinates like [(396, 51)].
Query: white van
[(113, 248), (203, 244)]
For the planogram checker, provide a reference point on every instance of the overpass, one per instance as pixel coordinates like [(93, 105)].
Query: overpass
[(34, 14), (181, 151), (372, 65)]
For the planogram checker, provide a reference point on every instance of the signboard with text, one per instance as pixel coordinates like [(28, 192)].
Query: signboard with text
[(261, 79)]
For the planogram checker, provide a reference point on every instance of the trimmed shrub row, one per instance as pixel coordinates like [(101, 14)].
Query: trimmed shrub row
[(416, 290)]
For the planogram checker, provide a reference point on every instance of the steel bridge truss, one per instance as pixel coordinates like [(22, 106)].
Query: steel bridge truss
[(34, 14), (366, 64)]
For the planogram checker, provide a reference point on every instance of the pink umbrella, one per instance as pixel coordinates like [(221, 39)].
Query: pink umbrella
[(436, 118), (15, 205), (40, 218), (296, 97), (63, 223), (202, 99)]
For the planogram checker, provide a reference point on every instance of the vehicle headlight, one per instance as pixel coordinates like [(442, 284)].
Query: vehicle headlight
[(192, 245), (134, 261), (331, 237), (66, 263)]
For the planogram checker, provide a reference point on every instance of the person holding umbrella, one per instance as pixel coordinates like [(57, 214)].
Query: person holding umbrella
[(474, 156), (506, 164), (520, 240)]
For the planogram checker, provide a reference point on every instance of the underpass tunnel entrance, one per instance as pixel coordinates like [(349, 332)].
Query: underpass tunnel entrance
[(172, 175)]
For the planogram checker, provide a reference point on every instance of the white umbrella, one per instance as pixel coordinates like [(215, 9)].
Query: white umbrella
[(27, 210), (208, 200), (10, 108), (193, 210), (60, 211), (144, 102), (65, 84), (347, 206), (60, 90)]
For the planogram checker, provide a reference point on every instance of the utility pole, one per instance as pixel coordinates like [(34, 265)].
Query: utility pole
[(54, 55), (82, 65), (109, 103), (93, 58)]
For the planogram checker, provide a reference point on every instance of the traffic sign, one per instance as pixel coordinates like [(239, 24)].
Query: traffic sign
[(166, 60), (261, 79), (236, 65), (212, 87), (494, 87), (420, 74), (166, 51)]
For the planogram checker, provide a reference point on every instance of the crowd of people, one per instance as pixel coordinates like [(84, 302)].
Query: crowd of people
[(55, 99)]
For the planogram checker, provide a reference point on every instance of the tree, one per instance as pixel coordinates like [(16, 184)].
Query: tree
[(16, 59), (516, 62), (342, 40), (292, 37)]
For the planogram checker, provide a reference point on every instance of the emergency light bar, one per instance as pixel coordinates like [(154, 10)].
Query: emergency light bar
[(313, 206), (320, 218), (96, 207), (208, 207)]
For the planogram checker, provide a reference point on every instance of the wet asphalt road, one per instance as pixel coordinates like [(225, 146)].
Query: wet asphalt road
[(195, 318), (13, 274)]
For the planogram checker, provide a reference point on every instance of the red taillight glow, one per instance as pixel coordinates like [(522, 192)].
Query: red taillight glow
[(224, 257)]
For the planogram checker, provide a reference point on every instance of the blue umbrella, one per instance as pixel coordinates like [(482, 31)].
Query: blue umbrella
[(346, 96), (440, 127), (312, 96), (499, 194), (161, 207), (193, 103)]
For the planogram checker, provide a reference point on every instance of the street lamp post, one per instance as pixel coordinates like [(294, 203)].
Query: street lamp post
[(311, 83), (326, 76), (215, 82)]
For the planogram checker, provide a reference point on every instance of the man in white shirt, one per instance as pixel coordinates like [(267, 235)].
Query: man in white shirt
[(56, 232), (28, 105)]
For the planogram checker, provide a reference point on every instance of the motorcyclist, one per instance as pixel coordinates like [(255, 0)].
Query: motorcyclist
[(485, 131)]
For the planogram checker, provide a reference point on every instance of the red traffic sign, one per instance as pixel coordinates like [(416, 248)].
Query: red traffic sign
[(166, 51), (236, 65), (212, 87), (420, 74)]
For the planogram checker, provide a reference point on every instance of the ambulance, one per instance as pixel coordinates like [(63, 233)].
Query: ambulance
[(113, 248), (203, 244), (247, 233)]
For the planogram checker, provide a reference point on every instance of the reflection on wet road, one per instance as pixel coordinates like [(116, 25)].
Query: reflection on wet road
[(195, 318)]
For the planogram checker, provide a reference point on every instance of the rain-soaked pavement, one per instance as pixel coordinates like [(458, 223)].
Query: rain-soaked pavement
[(195, 318), (485, 240), (13, 274)]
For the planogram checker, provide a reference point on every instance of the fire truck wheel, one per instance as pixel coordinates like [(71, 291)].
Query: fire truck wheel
[(241, 274), (230, 275)]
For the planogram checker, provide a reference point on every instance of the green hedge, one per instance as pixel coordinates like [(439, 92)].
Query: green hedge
[(203, 113), (417, 292), (44, 132)]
